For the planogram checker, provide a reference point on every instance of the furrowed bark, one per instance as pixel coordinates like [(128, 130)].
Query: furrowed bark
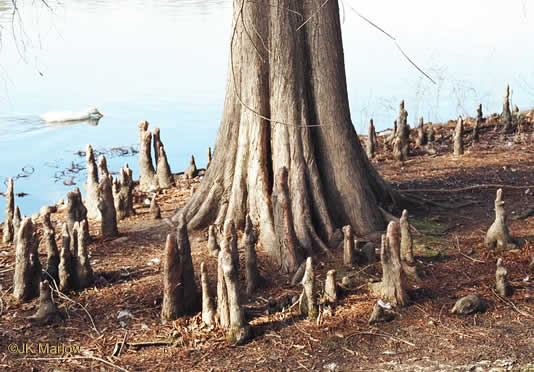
[(289, 110), (173, 286), (82, 266)]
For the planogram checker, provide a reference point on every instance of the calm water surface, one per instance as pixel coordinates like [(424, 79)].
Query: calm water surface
[(165, 62)]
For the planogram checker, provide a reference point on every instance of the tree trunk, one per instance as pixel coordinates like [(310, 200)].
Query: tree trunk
[(286, 106)]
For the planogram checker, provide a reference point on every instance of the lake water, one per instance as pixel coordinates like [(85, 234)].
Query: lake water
[(165, 62)]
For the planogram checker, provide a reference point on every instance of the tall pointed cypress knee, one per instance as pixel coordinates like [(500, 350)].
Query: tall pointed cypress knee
[(106, 205), (192, 298), (406, 248), (208, 308), (308, 298), (192, 171), (506, 113), (458, 137), (9, 231), (147, 174), (17, 220), (103, 166), (249, 242), (49, 240), (348, 246), (156, 139), (371, 141), (163, 170), (173, 288), (91, 187), (403, 132), (27, 265), (209, 158), (239, 329), (66, 267), (84, 272)]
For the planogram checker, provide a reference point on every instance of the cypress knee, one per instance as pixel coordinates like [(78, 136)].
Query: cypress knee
[(27, 274), (9, 231)]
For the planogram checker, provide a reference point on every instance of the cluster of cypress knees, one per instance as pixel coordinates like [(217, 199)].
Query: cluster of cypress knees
[(110, 199), (399, 139)]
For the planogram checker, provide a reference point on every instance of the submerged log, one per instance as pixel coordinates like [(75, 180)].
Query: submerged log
[(458, 137), (308, 298), (27, 265), (91, 187), (47, 312), (501, 279), (106, 205), (348, 246), (249, 242), (208, 307), (9, 231), (192, 171), (498, 235)]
